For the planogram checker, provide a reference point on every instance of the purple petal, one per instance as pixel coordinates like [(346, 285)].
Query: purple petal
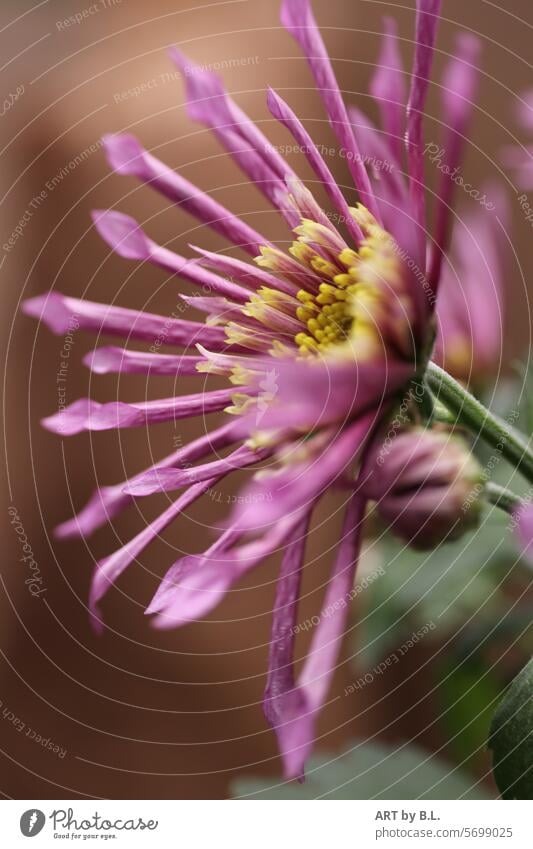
[(110, 569), (107, 501), (523, 518), (388, 88), (282, 112), (123, 361), (427, 18), (298, 19), (279, 691), (86, 414), (127, 156), (209, 103), (197, 583), (125, 237), (167, 479), (296, 724), (458, 97), (311, 395), (242, 271), (61, 314), (285, 493)]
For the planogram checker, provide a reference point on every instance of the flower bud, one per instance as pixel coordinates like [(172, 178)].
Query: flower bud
[(427, 486)]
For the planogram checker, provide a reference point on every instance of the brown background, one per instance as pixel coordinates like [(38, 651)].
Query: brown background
[(177, 714)]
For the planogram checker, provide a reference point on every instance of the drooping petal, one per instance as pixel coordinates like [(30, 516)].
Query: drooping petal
[(388, 88), (298, 19), (86, 414), (107, 501), (279, 690), (197, 583), (168, 479), (427, 18), (126, 238), (109, 570), (122, 361), (127, 156), (61, 313), (297, 716), (458, 97)]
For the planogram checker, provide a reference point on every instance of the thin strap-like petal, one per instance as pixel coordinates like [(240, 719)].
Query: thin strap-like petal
[(459, 86), (286, 116), (279, 691), (127, 156), (197, 583), (63, 314), (167, 479), (388, 88), (298, 19), (109, 570), (296, 728), (427, 18), (86, 414), (125, 237), (107, 501), (110, 359)]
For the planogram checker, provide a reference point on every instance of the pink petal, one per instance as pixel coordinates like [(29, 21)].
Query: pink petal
[(127, 156)]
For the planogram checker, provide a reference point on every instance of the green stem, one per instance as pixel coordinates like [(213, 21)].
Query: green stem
[(474, 416), (502, 497)]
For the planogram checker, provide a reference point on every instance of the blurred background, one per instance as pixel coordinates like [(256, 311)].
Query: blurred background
[(137, 713)]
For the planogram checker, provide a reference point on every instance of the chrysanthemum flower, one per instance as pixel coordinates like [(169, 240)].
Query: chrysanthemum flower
[(317, 344)]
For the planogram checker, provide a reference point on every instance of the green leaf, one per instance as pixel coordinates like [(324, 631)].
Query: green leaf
[(368, 770), (511, 738)]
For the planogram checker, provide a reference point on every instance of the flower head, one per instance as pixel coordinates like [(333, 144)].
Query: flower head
[(316, 343)]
